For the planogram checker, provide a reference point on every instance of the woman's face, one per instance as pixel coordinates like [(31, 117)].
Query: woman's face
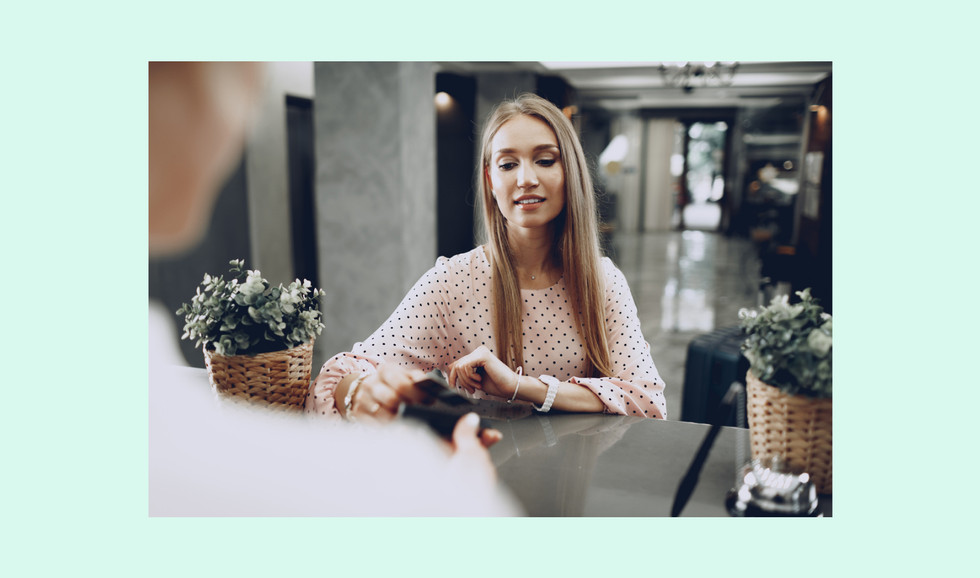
[(526, 173)]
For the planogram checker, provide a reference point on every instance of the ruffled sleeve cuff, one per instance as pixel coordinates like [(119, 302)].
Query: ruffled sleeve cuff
[(320, 398), (635, 398)]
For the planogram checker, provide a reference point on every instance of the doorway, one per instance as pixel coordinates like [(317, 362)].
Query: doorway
[(302, 172), (700, 152)]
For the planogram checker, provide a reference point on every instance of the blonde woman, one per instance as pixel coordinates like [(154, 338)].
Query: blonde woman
[(534, 315)]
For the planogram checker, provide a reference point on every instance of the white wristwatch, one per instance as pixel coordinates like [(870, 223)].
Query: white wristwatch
[(549, 398)]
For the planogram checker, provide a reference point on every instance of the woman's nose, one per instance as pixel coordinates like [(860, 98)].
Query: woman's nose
[(526, 176)]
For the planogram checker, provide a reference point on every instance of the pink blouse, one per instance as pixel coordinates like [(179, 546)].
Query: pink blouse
[(446, 315)]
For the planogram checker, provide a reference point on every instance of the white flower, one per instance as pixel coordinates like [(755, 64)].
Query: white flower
[(253, 284), (819, 342)]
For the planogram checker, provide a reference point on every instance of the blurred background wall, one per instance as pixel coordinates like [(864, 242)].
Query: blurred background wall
[(357, 175)]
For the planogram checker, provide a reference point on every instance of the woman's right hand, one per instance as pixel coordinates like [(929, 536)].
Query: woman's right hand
[(380, 394)]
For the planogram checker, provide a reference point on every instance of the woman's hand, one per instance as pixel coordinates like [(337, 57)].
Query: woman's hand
[(482, 370), (381, 393)]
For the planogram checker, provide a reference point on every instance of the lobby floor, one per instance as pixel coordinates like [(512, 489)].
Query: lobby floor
[(684, 284)]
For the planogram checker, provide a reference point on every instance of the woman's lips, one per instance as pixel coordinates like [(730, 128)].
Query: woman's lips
[(528, 203)]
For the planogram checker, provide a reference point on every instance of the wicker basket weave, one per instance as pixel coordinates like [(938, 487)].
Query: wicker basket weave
[(796, 427), (279, 378)]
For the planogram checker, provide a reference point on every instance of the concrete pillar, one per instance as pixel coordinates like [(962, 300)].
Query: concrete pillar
[(658, 182), (627, 181), (375, 131)]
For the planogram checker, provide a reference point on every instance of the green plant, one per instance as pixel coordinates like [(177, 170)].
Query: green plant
[(247, 315), (790, 346)]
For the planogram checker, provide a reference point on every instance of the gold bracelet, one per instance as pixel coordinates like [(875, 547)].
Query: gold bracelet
[(349, 398)]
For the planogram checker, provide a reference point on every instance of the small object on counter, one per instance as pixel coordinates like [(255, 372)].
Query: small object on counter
[(449, 406), (768, 490)]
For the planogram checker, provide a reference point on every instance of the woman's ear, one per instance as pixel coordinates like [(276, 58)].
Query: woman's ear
[(489, 183)]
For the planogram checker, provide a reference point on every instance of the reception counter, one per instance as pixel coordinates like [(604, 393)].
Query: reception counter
[(210, 456)]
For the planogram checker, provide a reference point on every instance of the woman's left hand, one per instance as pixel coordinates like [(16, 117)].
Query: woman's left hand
[(495, 378)]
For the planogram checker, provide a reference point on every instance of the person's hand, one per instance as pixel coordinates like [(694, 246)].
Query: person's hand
[(482, 370), (381, 393), (470, 447)]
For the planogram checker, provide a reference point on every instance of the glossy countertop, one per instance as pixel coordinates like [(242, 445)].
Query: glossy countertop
[(606, 465), (209, 457)]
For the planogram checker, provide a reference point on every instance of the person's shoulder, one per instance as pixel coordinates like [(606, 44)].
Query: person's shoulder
[(613, 276), (463, 259), (608, 268), (460, 265), (463, 262)]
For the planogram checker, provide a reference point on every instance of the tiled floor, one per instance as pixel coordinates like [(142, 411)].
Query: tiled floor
[(685, 284)]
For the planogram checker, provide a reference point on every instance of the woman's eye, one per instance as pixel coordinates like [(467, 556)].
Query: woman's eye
[(506, 166), (546, 162)]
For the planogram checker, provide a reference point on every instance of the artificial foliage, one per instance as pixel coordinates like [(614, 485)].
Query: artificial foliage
[(790, 346), (247, 315)]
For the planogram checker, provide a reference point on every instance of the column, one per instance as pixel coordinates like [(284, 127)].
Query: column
[(657, 185), (375, 191)]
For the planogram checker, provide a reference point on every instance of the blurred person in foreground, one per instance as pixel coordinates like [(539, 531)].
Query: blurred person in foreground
[(535, 316), (210, 458)]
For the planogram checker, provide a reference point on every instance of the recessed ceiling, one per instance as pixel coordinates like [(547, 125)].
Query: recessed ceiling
[(630, 85), (638, 85)]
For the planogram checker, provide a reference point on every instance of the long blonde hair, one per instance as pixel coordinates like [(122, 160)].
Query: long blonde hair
[(576, 243)]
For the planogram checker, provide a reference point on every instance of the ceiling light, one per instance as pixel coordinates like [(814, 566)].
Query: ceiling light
[(690, 75), (443, 100)]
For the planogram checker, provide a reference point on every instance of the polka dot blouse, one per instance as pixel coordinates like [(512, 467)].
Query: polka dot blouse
[(446, 315)]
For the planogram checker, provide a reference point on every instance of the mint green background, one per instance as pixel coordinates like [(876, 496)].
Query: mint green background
[(74, 244)]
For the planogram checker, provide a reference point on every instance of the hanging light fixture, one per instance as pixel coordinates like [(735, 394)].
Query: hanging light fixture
[(690, 75)]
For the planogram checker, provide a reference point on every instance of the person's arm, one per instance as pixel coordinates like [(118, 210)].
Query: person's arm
[(496, 378), (636, 387), (409, 343), (568, 397), (328, 390)]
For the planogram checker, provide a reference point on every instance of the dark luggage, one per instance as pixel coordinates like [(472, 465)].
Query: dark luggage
[(714, 361)]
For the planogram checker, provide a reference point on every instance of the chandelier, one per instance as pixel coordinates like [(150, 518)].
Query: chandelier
[(690, 75)]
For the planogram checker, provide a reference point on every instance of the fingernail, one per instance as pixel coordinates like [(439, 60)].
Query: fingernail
[(471, 418)]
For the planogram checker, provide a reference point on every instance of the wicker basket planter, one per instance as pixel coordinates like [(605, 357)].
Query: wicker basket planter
[(796, 427), (279, 379)]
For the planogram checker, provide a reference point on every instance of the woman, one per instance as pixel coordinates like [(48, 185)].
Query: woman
[(535, 315)]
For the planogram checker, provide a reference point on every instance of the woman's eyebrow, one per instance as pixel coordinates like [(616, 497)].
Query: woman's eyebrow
[(537, 148)]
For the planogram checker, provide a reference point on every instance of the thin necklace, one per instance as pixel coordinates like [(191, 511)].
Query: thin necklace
[(541, 272)]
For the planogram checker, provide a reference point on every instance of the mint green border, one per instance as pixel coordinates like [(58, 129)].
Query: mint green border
[(75, 428)]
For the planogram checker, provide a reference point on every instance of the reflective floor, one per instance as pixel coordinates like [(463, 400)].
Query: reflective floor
[(685, 284)]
